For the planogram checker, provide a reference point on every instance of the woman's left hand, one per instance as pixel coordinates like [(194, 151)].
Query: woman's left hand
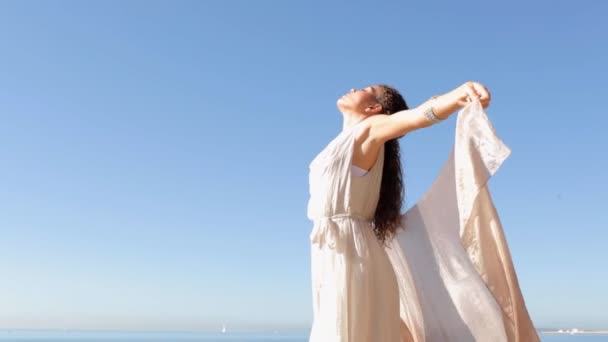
[(473, 90)]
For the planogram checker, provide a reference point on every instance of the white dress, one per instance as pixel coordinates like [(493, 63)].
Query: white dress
[(447, 274), (355, 292)]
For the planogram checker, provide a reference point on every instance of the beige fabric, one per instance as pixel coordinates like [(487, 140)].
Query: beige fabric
[(456, 278), (354, 289), (448, 274)]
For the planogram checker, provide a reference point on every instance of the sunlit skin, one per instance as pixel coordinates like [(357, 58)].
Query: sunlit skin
[(377, 128), (406, 335)]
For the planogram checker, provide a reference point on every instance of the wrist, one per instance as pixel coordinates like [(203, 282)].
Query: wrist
[(444, 105), (459, 95)]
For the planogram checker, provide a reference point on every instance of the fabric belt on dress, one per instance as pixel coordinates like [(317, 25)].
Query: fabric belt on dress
[(327, 231)]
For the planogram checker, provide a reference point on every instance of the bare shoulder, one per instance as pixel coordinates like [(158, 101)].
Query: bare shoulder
[(383, 127), (369, 128), (367, 145)]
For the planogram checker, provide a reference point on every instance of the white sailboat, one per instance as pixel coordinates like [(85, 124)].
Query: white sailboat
[(223, 328)]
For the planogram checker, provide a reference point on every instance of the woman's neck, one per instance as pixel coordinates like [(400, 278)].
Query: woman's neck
[(351, 119)]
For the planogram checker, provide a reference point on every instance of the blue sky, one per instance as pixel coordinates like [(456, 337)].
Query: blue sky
[(155, 154)]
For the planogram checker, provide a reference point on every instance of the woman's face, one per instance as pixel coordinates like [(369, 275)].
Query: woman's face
[(358, 100)]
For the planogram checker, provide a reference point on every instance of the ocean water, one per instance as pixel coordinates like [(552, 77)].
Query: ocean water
[(574, 338), (57, 336), (72, 336)]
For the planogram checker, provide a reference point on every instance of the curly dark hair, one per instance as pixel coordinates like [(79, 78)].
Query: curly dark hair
[(387, 217)]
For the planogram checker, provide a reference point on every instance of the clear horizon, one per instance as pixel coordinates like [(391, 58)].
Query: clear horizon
[(285, 331)]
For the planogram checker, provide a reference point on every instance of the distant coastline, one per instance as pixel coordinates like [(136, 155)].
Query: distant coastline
[(573, 332)]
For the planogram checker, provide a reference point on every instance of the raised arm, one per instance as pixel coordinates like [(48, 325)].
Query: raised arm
[(386, 127)]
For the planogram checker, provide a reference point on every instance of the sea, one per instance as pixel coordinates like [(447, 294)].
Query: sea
[(71, 336)]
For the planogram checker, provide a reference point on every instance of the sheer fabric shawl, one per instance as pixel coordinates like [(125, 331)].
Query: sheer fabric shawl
[(456, 277)]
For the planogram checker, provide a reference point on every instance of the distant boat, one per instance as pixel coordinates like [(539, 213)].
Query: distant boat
[(223, 328)]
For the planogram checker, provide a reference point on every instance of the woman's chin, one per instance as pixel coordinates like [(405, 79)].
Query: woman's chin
[(341, 103)]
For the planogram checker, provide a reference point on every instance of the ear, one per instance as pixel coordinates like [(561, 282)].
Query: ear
[(375, 108)]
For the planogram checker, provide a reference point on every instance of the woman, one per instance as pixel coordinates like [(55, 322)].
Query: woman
[(356, 197)]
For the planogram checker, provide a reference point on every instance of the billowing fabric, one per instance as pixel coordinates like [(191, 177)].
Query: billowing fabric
[(447, 273), (456, 277)]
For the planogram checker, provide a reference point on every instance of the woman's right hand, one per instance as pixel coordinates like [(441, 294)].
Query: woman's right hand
[(473, 90)]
